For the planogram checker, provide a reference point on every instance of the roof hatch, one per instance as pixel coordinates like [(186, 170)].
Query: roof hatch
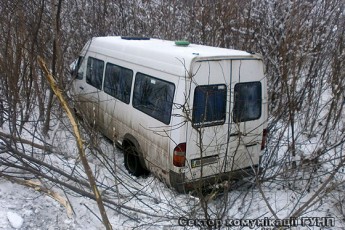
[(134, 38)]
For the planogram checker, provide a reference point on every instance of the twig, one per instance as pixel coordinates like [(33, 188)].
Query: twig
[(79, 140)]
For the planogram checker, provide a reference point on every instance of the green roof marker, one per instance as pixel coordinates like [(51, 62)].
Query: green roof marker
[(182, 43)]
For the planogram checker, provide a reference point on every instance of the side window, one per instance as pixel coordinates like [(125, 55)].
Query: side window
[(153, 97), (118, 82), (247, 104), (94, 72), (209, 105)]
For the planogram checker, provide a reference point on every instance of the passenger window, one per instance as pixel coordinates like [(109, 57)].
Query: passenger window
[(94, 72), (209, 106), (153, 97), (118, 82), (247, 104)]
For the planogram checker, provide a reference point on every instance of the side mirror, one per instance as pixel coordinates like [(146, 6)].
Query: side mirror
[(74, 69)]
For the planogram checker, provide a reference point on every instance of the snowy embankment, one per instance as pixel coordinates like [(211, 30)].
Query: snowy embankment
[(146, 203), (25, 208)]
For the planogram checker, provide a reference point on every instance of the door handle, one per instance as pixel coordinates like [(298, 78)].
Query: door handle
[(251, 145), (80, 87)]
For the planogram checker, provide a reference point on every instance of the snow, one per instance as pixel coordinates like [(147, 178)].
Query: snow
[(25, 208), (15, 220), (147, 203)]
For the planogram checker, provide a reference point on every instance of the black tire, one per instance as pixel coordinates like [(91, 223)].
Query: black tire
[(132, 161)]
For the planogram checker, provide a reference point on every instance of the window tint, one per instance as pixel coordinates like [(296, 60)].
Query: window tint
[(94, 72), (118, 82), (153, 97), (247, 104), (209, 106)]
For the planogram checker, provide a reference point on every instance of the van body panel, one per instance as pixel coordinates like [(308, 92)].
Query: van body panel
[(209, 85), (216, 149)]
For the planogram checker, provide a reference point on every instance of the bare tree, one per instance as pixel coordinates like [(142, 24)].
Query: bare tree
[(303, 46)]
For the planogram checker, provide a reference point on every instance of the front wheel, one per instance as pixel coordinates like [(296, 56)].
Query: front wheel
[(132, 161)]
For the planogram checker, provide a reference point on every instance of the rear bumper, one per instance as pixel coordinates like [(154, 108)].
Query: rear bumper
[(179, 182)]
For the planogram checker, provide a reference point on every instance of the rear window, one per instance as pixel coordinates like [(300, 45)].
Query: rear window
[(94, 72), (209, 106), (118, 82), (247, 104), (153, 97)]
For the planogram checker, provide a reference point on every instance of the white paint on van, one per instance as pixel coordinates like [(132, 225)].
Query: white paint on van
[(211, 150)]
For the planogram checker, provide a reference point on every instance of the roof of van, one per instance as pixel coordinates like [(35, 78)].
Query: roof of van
[(162, 55)]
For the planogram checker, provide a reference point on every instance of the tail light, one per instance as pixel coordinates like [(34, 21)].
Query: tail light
[(264, 139), (179, 157)]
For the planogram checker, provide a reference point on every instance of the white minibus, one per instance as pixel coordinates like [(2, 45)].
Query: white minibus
[(192, 115)]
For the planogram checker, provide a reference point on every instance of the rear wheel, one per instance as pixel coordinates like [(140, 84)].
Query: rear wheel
[(132, 161)]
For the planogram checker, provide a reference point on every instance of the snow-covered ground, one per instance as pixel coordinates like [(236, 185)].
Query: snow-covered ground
[(25, 208), (147, 203)]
